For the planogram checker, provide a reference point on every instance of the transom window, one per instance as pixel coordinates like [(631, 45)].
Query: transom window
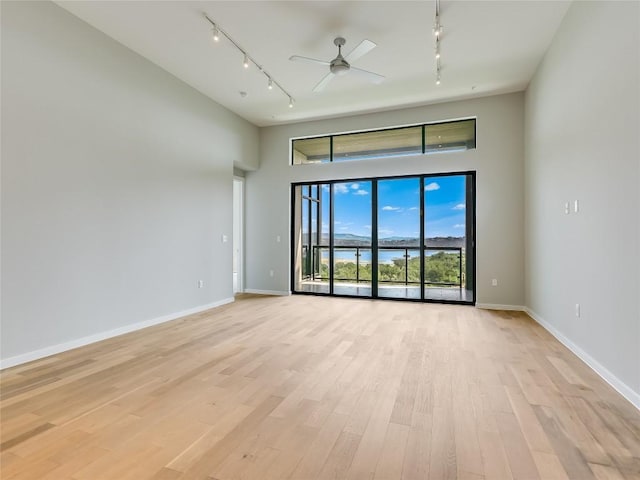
[(391, 142)]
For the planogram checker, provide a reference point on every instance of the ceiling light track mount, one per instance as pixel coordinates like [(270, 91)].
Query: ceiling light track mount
[(218, 32), (437, 33)]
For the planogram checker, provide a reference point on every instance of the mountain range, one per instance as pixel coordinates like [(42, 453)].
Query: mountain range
[(352, 240)]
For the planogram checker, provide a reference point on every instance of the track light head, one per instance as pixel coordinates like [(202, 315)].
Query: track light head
[(215, 34), (270, 84), (290, 102), (245, 63)]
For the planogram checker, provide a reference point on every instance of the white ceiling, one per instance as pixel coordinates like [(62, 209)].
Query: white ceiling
[(488, 47)]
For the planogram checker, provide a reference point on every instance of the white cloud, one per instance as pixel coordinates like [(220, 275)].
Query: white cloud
[(355, 186), (325, 187), (385, 232), (431, 187), (368, 227), (459, 206), (413, 208), (389, 208), (361, 192), (458, 225), (344, 228), (340, 188)]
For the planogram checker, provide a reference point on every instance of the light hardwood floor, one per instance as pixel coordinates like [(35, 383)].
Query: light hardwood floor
[(308, 387)]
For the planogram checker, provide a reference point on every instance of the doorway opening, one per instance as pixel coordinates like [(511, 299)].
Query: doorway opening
[(238, 234)]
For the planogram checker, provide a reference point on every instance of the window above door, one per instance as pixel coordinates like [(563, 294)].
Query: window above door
[(419, 139)]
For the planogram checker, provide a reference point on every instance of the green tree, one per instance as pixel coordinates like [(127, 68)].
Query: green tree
[(440, 268)]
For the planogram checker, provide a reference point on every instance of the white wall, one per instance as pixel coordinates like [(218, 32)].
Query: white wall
[(116, 185), (582, 131), (498, 161)]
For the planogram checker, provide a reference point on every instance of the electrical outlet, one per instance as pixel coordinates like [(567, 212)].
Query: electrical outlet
[(567, 209), (576, 206), (271, 273), (578, 310), (200, 283), (494, 282)]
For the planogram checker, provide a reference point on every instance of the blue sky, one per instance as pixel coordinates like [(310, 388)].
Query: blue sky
[(398, 203)]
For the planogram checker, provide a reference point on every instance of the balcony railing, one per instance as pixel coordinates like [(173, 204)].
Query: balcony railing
[(312, 264)]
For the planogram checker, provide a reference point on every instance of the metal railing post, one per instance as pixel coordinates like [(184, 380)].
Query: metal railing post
[(406, 266)]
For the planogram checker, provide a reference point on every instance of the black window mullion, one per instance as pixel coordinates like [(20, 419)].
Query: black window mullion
[(331, 202), (422, 239), (470, 247), (293, 236), (331, 148), (310, 235), (374, 238), (319, 217), (424, 139)]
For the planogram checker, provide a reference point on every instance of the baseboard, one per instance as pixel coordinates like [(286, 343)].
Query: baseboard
[(267, 292), (81, 342), (497, 306), (621, 387)]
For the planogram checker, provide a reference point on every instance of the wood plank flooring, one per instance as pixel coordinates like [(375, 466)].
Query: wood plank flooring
[(319, 388)]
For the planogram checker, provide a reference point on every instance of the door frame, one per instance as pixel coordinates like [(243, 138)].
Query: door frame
[(471, 232)]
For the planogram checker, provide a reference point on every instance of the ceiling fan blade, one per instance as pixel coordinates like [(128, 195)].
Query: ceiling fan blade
[(365, 47), (298, 58), (372, 77), (324, 82)]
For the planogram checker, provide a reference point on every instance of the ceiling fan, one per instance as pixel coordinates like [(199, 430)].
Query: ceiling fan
[(342, 65)]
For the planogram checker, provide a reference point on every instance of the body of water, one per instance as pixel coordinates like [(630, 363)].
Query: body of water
[(384, 256)]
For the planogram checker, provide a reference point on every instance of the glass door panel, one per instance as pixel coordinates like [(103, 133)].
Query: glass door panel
[(308, 236), (399, 238), (322, 252), (448, 217), (352, 238), (299, 239)]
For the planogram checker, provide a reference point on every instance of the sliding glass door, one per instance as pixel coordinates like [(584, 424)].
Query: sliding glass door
[(397, 238), (351, 246), (311, 239), (448, 238)]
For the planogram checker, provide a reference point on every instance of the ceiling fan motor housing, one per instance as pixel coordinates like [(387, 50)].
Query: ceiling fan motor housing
[(339, 65)]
